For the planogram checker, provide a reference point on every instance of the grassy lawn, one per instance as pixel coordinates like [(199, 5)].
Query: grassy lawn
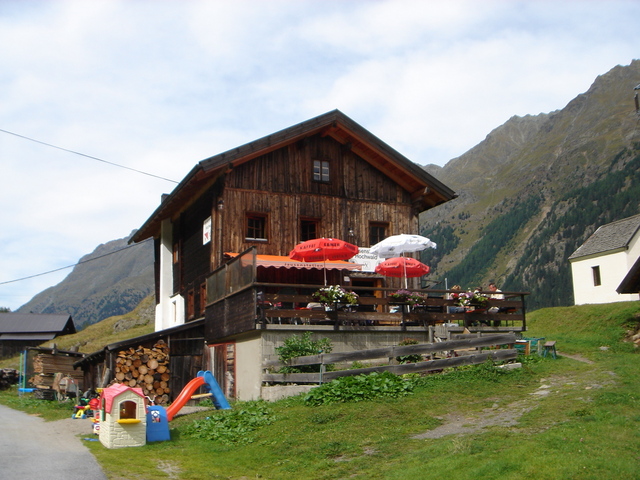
[(570, 419)]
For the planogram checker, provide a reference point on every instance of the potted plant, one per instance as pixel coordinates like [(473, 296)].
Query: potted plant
[(400, 296), (418, 299), (334, 295), (472, 301)]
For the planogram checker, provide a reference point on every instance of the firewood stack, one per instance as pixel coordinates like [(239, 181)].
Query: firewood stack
[(46, 365), (8, 377), (147, 368)]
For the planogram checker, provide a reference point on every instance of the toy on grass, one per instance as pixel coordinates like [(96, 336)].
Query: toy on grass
[(123, 420)]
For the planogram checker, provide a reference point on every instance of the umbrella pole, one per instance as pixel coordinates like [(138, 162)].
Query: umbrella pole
[(404, 267), (324, 265)]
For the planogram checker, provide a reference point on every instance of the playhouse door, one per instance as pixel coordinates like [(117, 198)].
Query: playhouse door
[(223, 366)]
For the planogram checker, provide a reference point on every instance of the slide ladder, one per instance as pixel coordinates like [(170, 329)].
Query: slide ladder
[(204, 379)]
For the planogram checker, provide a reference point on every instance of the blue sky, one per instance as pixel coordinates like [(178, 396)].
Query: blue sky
[(160, 85)]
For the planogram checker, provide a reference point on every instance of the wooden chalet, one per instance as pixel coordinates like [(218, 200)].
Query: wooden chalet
[(223, 236)]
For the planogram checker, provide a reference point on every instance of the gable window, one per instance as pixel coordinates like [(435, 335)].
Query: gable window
[(308, 229), (321, 171), (596, 276), (256, 227), (377, 232)]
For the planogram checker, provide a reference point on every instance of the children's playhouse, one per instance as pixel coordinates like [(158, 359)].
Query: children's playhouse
[(124, 417)]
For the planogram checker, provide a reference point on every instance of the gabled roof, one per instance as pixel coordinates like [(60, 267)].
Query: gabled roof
[(29, 326), (609, 238), (423, 187)]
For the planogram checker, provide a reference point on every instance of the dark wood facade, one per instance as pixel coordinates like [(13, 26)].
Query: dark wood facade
[(325, 177), (274, 182)]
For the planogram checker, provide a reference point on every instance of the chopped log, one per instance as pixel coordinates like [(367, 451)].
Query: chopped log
[(146, 368)]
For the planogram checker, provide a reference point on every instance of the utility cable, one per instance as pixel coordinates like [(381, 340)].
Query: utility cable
[(76, 264), (87, 156)]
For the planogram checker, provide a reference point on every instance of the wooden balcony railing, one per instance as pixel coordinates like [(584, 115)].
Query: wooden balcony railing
[(257, 306), (379, 310)]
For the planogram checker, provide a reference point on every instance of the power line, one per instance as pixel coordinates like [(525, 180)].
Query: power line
[(78, 263), (87, 156)]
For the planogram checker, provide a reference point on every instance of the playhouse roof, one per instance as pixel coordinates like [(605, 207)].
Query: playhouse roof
[(113, 391)]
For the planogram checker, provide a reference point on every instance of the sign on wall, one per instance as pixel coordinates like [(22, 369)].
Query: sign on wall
[(206, 231)]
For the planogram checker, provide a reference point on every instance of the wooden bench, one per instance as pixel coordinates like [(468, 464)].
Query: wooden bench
[(549, 347)]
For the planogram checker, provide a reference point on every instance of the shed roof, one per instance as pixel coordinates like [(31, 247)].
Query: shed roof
[(423, 187), (610, 237), (28, 336), (631, 282), (41, 323), (99, 355)]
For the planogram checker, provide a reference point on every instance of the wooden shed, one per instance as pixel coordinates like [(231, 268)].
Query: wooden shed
[(21, 330)]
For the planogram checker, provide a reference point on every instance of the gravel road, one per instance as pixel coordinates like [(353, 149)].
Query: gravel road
[(32, 448)]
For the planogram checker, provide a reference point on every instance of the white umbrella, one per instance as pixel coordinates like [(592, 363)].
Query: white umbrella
[(397, 245)]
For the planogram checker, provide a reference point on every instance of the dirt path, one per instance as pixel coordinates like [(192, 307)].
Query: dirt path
[(507, 416)]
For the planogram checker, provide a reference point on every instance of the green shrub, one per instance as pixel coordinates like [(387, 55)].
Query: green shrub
[(235, 427), (359, 388), (302, 346), (409, 358)]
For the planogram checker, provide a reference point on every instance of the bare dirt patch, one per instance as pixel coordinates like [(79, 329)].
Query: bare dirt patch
[(509, 415)]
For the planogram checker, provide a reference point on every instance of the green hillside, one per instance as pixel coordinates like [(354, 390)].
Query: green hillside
[(110, 281), (535, 189)]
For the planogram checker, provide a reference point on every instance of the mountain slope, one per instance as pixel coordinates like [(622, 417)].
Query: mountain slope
[(112, 280), (535, 189)]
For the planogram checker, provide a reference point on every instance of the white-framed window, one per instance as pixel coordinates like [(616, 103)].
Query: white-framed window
[(256, 227)]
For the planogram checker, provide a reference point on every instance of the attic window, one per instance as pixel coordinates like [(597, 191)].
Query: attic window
[(596, 276), (321, 171), (256, 227)]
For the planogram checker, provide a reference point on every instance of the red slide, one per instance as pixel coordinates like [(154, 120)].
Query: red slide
[(184, 397)]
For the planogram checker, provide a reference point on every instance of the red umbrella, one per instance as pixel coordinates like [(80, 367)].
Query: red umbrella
[(402, 267), (323, 249)]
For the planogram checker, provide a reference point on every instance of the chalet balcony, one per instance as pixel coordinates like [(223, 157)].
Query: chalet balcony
[(238, 303)]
